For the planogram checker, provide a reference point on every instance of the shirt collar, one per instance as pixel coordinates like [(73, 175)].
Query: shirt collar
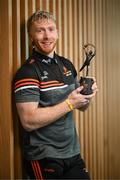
[(45, 59)]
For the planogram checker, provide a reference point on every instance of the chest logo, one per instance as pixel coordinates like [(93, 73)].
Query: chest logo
[(66, 72), (45, 75)]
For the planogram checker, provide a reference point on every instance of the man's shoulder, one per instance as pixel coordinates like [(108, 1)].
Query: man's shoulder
[(67, 63), (64, 60), (26, 70)]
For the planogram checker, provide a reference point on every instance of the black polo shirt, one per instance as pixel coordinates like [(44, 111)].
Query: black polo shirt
[(48, 81)]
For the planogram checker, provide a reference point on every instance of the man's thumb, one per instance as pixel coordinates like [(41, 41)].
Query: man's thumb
[(79, 89)]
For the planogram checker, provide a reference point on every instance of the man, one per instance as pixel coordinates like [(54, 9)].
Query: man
[(46, 92)]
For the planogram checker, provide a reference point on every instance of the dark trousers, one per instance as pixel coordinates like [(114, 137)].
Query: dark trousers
[(52, 168)]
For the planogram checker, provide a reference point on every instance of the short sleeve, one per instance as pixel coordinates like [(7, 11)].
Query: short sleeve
[(26, 85)]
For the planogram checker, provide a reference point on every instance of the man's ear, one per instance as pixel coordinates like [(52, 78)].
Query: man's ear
[(31, 40)]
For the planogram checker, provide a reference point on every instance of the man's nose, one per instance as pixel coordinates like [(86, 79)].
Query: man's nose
[(46, 34)]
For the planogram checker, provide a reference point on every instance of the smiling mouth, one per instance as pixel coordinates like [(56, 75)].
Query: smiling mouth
[(46, 43)]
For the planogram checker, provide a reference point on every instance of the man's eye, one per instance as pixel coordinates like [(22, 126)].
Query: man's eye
[(51, 29), (40, 30)]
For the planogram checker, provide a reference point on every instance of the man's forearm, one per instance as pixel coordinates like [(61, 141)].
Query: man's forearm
[(41, 116)]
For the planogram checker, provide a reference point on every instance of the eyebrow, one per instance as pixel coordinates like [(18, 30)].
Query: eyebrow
[(42, 27)]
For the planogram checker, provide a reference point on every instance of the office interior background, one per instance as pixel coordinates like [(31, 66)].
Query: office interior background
[(79, 22)]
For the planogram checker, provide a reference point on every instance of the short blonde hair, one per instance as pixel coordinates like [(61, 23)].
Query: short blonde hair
[(39, 15)]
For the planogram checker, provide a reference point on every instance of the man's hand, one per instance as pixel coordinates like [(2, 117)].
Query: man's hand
[(80, 101)]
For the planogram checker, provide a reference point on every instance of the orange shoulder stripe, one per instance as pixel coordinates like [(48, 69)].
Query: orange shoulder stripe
[(26, 83), (49, 82), (52, 85), (26, 79)]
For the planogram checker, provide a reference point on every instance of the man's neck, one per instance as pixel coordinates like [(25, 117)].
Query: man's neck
[(51, 55)]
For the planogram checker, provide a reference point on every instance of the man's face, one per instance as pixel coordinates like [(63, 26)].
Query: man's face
[(43, 34)]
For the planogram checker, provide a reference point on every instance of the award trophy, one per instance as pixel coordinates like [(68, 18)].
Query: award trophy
[(86, 82)]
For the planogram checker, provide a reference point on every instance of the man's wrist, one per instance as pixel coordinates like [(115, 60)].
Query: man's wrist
[(69, 104)]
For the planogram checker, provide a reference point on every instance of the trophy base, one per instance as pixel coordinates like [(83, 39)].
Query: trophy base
[(87, 83)]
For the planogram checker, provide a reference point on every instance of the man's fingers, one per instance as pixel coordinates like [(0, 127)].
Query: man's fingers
[(79, 89)]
